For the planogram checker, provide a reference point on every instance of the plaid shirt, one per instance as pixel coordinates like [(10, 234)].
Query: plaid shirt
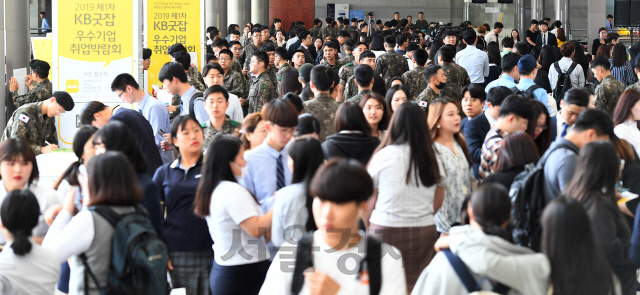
[(490, 147)]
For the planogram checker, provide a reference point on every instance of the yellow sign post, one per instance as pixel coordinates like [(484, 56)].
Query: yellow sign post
[(169, 22)]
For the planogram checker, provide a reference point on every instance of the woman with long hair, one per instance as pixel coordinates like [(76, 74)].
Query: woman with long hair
[(396, 95), (253, 132), (377, 45), (515, 35), (232, 211), (451, 150), (597, 42), (626, 117), (409, 188), (376, 111), (292, 214), (560, 36), (517, 151), (542, 128), (290, 83), (621, 68), (83, 149), (594, 186), (580, 58), (578, 265), (353, 135)]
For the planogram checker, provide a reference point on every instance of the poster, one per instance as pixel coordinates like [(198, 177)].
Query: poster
[(169, 22), (359, 14), (342, 10), (331, 10), (101, 40)]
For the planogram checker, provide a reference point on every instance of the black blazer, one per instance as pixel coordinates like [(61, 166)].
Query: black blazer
[(552, 40), (474, 132), (307, 56), (292, 49), (144, 133)]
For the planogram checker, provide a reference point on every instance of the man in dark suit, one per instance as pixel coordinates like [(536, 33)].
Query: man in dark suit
[(476, 130), (307, 47), (545, 37)]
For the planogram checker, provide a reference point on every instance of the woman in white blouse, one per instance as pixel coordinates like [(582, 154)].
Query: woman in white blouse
[(409, 188), (626, 117), (238, 228), (451, 149)]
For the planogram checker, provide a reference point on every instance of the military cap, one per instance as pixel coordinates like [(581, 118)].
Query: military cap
[(64, 100), (38, 65)]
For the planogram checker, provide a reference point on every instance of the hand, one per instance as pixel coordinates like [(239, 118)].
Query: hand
[(321, 284), (28, 81), (442, 243), (165, 146), (170, 108), (170, 265), (69, 205), (244, 72), (167, 136), (49, 148), (193, 65), (241, 101), (51, 214), (13, 84)]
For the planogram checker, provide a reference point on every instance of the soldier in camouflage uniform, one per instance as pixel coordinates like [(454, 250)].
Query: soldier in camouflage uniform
[(262, 89), (40, 92), (414, 80), (391, 63), (316, 31), (421, 23), (635, 86), (457, 78), (330, 56), (607, 93), (358, 97), (436, 80), (35, 122), (329, 31), (228, 127), (323, 106), (347, 52), (353, 27), (283, 67), (249, 49)]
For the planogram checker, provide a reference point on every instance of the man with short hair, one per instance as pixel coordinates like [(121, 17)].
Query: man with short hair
[(609, 90), (574, 102), (214, 75), (234, 83), (545, 37), (636, 85), (341, 25), (281, 63), (174, 80), (564, 64), (298, 59), (328, 31), (330, 56), (510, 72), (609, 23), (42, 89), (612, 38), (354, 25), (305, 45), (495, 35), (347, 56), (236, 48), (270, 49), (390, 63), (521, 47), (402, 42), (421, 23), (346, 71), (146, 58), (472, 59), (531, 34), (262, 89), (277, 26), (216, 103), (316, 31), (379, 25), (265, 36), (366, 58), (35, 122), (475, 131), (414, 80), (219, 44), (528, 71), (457, 76), (343, 36), (234, 35), (364, 79), (127, 89), (507, 46), (449, 38), (247, 52), (322, 106), (396, 16), (436, 81), (560, 160), (45, 24), (515, 113)]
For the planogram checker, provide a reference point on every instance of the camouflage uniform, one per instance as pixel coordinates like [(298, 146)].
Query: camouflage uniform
[(262, 90), (315, 32), (428, 95), (235, 83), (391, 64), (345, 72), (324, 107), (42, 91), (347, 58), (336, 67), (341, 27), (635, 86), (350, 89), (422, 24), (29, 123), (236, 65), (607, 94), (328, 32), (281, 70), (415, 82), (272, 70), (352, 29), (457, 78), (228, 127), (356, 98), (247, 53)]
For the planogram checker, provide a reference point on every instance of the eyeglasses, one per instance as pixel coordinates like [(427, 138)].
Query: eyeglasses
[(120, 94), (541, 127), (224, 59), (60, 113)]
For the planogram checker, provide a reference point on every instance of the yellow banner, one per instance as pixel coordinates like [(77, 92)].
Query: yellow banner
[(97, 31), (42, 50), (170, 22)]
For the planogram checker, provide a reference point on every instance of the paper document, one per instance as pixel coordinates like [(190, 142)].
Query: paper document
[(194, 59), (21, 75), (163, 96)]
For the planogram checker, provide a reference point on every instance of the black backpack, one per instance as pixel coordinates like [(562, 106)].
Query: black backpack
[(563, 84), (196, 96), (138, 258), (528, 201), (371, 263), (526, 93)]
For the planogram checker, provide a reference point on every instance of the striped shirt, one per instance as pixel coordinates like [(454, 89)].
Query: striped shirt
[(490, 147), (624, 73)]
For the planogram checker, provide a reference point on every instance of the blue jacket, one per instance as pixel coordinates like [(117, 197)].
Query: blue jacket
[(474, 132)]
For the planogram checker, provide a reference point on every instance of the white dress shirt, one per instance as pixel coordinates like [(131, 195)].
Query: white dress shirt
[(628, 130), (475, 61), (234, 110), (577, 76), (493, 37), (559, 122), (545, 38)]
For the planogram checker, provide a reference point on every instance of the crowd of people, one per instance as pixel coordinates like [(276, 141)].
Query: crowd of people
[(402, 159)]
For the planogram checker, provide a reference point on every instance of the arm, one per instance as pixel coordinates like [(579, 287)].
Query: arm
[(486, 65), (531, 42), (257, 226), (371, 204), (474, 142), (151, 202), (606, 231), (566, 169), (438, 198), (70, 236)]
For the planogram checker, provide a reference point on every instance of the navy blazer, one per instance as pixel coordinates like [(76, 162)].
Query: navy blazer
[(552, 40), (475, 131), (142, 130)]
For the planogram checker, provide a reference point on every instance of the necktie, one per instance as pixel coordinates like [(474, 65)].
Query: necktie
[(544, 39), (564, 129), (279, 173)]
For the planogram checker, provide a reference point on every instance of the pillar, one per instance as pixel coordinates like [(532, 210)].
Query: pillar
[(3, 91), (562, 14), (246, 13), (235, 13), (537, 9), (596, 10), (520, 23), (257, 12), (211, 13), (17, 34), (265, 15), (222, 17)]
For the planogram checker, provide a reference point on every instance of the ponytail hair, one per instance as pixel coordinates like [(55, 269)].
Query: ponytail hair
[(19, 213), (491, 209)]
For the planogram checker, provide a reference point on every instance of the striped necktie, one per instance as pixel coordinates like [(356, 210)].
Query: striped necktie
[(279, 173)]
